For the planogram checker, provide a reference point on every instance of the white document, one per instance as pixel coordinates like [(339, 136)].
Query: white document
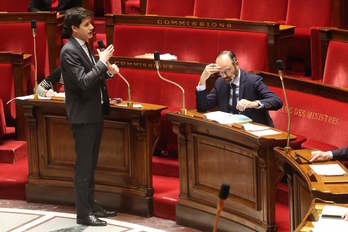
[(62, 95), (28, 97), (329, 224), (253, 127), (264, 132), (165, 56), (334, 210), (327, 169), (226, 118), (134, 105)]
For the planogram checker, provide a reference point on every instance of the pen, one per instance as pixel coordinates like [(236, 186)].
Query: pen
[(304, 158)]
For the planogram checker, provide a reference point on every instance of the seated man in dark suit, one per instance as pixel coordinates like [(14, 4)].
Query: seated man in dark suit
[(236, 91), (338, 154)]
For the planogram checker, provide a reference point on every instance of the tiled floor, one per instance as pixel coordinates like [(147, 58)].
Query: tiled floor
[(158, 223)]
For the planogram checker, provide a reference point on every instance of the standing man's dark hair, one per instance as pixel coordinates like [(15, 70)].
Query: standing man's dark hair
[(86, 100), (74, 17)]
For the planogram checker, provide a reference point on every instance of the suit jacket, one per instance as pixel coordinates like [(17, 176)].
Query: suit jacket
[(67, 4), (39, 5), (340, 154), (45, 5), (83, 82), (251, 87)]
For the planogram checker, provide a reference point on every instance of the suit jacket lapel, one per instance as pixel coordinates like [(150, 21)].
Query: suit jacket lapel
[(241, 84), (86, 59)]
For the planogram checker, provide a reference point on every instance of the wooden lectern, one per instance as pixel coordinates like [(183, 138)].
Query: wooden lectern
[(123, 176), (305, 185), (209, 154)]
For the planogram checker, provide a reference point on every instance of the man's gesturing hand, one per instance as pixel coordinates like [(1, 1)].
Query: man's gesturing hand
[(105, 55)]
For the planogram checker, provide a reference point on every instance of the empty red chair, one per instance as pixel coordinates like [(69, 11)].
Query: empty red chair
[(11, 6), (336, 68), (217, 8), (113, 6), (266, 10), (19, 39), (304, 15), (7, 91), (132, 7), (4, 130), (170, 7)]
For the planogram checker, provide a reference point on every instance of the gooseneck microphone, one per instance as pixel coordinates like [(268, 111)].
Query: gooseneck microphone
[(101, 46), (33, 28), (223, 194), (280, 68), (156, 56)]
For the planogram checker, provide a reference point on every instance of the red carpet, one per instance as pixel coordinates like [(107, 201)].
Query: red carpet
[(13, 178)]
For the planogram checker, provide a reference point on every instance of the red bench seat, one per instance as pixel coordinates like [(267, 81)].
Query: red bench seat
[(321, 120), (193, 45)]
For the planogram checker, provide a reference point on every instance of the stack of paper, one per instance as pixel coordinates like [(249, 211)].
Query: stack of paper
[(165, 56), (332, 219), (327, 169), (261, 133), (226, 118)]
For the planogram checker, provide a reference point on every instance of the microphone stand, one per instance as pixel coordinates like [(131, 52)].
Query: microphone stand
[(129, 102), (287, 148), (183, 108), (35, 63)]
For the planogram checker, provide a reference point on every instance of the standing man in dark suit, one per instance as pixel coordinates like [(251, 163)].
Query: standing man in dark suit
[(236, 91), (87, 101), (46, 5)]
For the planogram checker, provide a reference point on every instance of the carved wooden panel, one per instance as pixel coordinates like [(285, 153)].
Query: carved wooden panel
[(213, 160)]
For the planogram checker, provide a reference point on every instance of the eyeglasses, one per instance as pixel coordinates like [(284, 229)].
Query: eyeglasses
[(226, 71)]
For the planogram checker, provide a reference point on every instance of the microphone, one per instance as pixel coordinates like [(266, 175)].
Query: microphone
[(101, 45), (156, 56), (33, 28), (223, 194), (280, 68)]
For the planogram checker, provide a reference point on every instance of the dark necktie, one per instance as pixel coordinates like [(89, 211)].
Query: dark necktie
[(89, 53), (234, 99)]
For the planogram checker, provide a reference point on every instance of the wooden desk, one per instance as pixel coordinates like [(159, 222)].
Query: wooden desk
[(305, 185), (209, 154), (313, 215), (123, 176)]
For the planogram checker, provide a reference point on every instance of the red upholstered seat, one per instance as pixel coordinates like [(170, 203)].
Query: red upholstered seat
[(217, 8), (336, 68), (7, 91), (187, 44), (321, 120), (308, 13), (19, 39), (170, 7), (132, 6), (113, 6), (266, 10), (304, 15), (4, 130), (17, 6)]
